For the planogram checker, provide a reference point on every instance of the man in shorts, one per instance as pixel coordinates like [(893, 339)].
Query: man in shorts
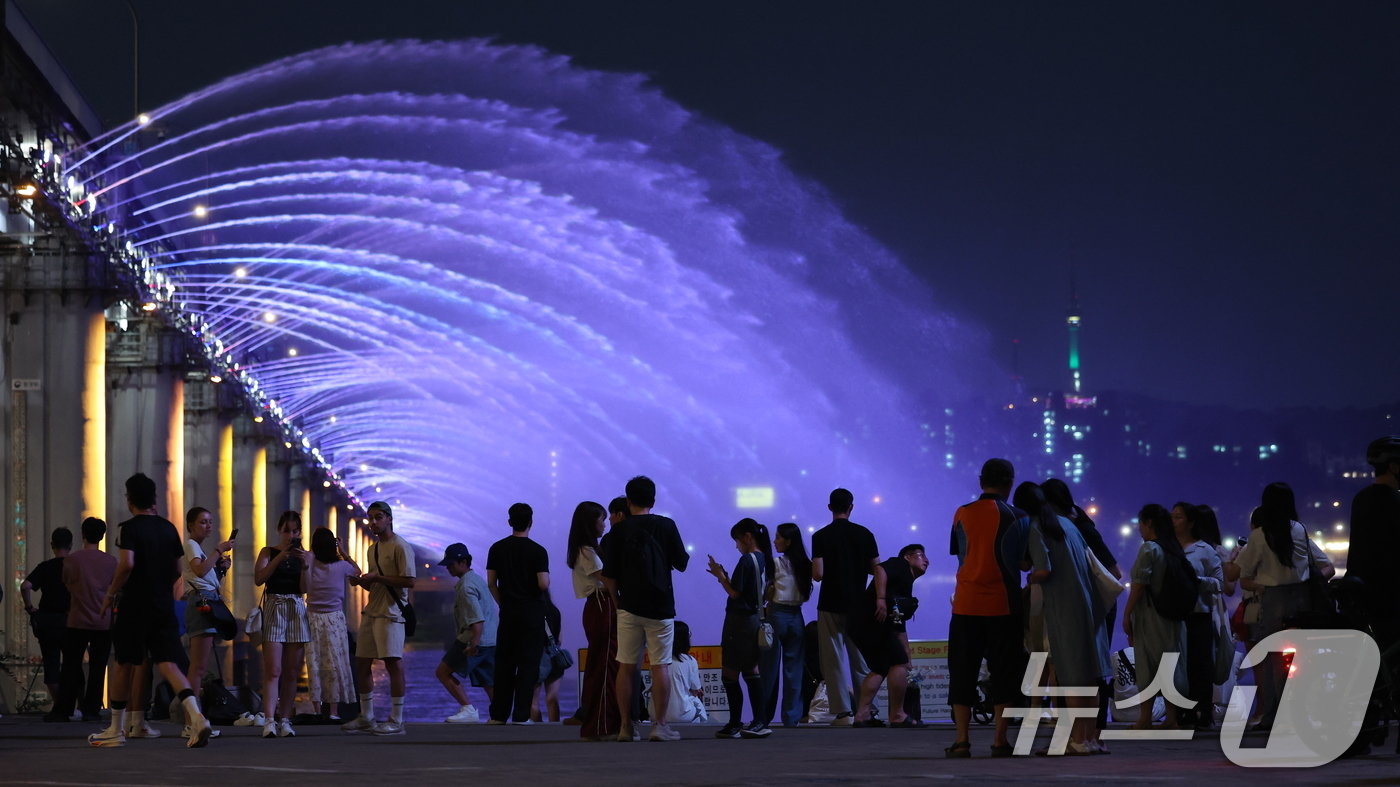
[(472, 653), (388, 577), (881, 635), (646, 603), (145, 629)]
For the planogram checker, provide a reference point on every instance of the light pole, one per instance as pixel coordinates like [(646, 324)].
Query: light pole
[(135, 61)]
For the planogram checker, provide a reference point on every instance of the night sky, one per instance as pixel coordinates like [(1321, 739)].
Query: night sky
[(1222, 180)]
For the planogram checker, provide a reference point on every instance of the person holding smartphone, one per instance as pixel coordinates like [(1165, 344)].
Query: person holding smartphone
[(201, 574), (285, 627)]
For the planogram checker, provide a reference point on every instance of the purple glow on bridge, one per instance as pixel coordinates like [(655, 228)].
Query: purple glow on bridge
[(476, 274)]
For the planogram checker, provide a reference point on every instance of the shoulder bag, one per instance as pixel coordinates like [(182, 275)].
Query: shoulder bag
[(253, 624), (410, 618), (1107, 585), (765, 629)]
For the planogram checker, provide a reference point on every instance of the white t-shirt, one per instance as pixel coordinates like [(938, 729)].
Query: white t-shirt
[(684, 708), (209, 581), (785, 590), (1259, 563), (585, 572)]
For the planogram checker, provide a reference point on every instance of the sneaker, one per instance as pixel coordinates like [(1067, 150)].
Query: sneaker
[(270, 730), (843, 720), (389, 727), (108, 738), (284, 729), (142, 730), (199, 733), (731, 730), (467, 715), (185, 733), (249, 720), (358, 724), (756, 729), (628, 733), (663, 732), (525, 723)]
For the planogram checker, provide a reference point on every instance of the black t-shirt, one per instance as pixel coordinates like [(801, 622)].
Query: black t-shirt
[(655, 606), (1375, 544), (745, 579), (47, 578), (516, 561), (846, 550), (158, 553)]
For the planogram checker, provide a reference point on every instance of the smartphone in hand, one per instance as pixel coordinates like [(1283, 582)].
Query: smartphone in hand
[(233, 535)]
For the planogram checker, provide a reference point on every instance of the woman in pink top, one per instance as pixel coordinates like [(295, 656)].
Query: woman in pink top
[(328, 675)]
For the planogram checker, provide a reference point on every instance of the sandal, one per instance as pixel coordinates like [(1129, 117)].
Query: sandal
[(1004, 750), (907, 724), (868, 723), (959, 750)]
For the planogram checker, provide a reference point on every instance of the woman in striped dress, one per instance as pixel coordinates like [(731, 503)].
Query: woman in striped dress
[(285, 628)]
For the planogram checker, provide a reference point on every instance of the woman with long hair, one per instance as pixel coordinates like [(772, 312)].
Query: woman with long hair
[(791, 587), (281, 570), (1149, 633), (739, 641), (597, 699), (1200, 624), (1074, 611), (329, 677), (1278, 565)]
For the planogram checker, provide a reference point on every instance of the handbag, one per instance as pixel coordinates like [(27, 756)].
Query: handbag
[(1107, 585), (559, 658), (765, 629), (410, 617), (253, 624), (224, 621)]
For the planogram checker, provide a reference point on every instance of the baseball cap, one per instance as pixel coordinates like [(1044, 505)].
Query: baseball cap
[(380, 505), (454, 553)]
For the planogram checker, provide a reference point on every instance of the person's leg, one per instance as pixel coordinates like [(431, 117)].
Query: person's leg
[(733, 693), (70, 676), (856, 660), (868, 689), (50, 637), (964, 662), (630, 640), (99, 650), (1200, 668), (758, 699), (769, 669), (201, 646), (449, 681), (899, 684), (272, 681), (835, 669), (293, 656), (393, 667), (660, 636), (790, 639), (551, 698), (507, 668), (531, 649)]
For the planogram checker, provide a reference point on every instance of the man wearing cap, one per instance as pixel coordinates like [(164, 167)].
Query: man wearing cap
[(517, 572), (843, 555), (472, 654), (388, 578)]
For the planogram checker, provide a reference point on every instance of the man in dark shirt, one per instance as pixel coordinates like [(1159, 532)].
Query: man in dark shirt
[(879, 631), (638, 556), (145, 629), (517, 573), (50, 618), (1375, 538), (843, 555)]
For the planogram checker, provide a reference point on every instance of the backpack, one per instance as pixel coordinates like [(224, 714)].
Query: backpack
[(1180, 588), (221, 706), (645, 566)]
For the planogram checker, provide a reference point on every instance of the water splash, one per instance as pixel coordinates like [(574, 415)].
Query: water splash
[(476, 274)]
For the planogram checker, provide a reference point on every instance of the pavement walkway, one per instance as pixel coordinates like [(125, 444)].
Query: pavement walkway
[(35, 753)]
